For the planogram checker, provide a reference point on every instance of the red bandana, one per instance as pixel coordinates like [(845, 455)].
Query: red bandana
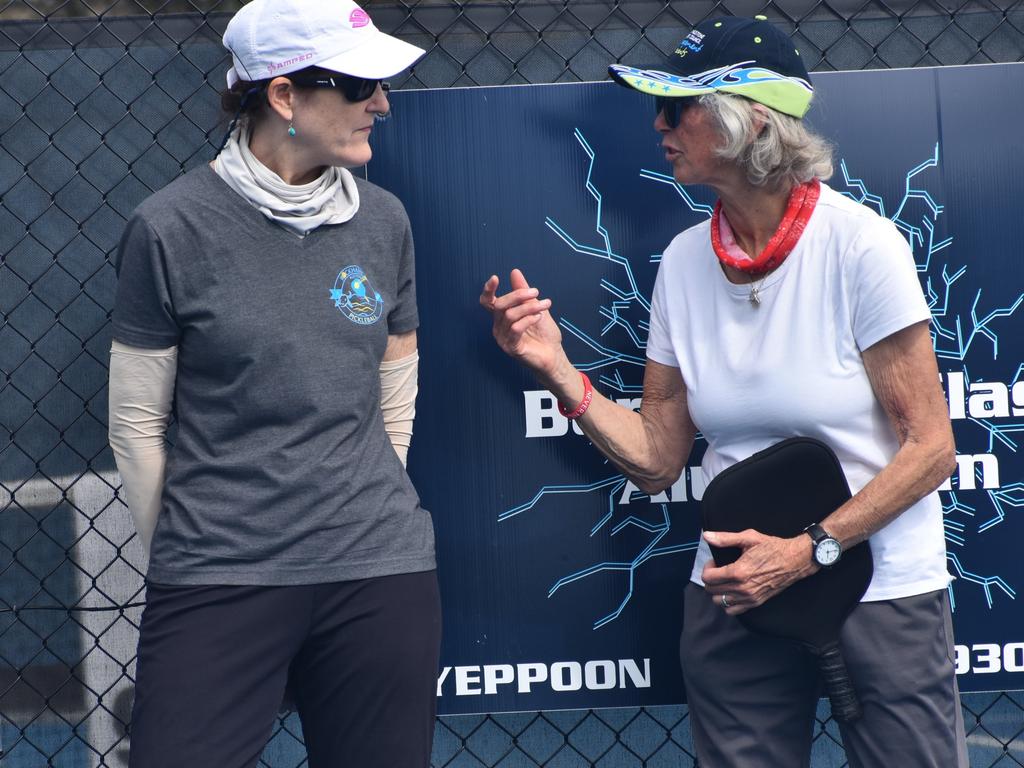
[(801, 204)]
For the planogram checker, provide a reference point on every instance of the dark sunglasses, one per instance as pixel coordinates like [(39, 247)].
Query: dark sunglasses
[(672, 108), (355, 89)]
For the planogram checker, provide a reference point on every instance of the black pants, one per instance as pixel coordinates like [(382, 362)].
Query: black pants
[(361, 658)]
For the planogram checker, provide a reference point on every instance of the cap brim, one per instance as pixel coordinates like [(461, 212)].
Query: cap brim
[(380, 56), (649, 81), (789, 95), (654, 82)]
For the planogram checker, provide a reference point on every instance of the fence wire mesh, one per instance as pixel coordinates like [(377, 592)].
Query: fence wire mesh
[(104, 102)]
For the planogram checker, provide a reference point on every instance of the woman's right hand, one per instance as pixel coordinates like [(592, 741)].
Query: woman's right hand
[(523, 326)]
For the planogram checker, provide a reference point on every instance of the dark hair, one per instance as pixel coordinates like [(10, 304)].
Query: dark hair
[(244, 97), (241, 101)]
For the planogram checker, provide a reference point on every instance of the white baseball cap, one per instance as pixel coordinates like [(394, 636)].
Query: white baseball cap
[(268, 38)]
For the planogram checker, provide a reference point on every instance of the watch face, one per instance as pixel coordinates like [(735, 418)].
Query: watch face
[(827, 552)]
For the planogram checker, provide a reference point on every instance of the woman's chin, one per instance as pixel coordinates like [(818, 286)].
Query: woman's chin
[(354, 159)]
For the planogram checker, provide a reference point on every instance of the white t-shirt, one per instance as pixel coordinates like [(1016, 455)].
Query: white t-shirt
[(792, 366)]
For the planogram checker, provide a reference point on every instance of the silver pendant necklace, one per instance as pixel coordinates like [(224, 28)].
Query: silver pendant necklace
[(755, 292)]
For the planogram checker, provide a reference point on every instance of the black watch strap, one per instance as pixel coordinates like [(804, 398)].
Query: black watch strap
[(816, 532)]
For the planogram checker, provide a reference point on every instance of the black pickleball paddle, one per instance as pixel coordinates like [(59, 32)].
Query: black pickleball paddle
[(780, 491)]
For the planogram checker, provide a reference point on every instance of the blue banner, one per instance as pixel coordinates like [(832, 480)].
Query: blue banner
[(562, 583)]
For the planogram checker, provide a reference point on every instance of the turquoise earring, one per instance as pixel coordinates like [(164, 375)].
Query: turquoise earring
[(291, 130)]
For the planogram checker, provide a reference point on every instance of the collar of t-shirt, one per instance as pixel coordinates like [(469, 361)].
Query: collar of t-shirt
[(332, 198)]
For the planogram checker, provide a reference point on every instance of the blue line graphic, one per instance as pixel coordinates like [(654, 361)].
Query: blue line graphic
[(953, 336), (650, 551)]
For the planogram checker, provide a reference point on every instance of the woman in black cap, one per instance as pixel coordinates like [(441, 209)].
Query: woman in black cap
[(270, 298), (793, 311)]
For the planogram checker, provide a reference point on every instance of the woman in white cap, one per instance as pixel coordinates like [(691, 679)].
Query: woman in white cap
[(269, 299), (793, 311)]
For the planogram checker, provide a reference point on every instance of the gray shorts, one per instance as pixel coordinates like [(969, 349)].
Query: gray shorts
[(752, 698)]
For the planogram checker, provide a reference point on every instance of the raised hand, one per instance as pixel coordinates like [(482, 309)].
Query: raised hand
[(522, 324)]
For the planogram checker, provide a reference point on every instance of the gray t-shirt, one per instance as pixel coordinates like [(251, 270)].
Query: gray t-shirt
[(281, 472)]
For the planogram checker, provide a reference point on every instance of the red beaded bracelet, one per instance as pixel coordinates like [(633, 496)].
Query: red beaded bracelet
[(588, 396)]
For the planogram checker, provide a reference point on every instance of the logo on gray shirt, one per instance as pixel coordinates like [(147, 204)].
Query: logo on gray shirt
[(353, 295)]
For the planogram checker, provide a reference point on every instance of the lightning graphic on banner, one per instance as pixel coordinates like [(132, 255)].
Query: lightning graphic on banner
[(953, 336)]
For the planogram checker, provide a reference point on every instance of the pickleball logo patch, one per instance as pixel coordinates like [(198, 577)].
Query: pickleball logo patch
[(355, 298)]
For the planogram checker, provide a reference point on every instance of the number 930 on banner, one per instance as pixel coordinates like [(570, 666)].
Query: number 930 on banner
[(989, 658)]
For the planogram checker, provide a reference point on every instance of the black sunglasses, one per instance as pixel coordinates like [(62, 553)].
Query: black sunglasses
[(355, 89), (673, 107)]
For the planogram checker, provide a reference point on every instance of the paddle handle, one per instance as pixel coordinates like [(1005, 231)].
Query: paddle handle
[(843, 698)]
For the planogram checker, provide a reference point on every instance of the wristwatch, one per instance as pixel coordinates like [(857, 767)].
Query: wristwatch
[(827, 550)]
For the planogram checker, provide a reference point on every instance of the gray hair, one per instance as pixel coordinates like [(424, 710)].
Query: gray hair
[(784, 151)]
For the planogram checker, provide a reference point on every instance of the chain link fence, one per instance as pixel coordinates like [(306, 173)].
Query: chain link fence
[(103, 102)]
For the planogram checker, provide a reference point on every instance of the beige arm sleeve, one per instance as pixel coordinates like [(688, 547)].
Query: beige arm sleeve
[(141, 392), (398, 388)]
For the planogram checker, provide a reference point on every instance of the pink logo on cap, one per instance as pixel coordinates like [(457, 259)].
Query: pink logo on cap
[(358, 18)]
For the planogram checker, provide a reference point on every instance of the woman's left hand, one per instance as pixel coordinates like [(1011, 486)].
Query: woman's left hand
[(767, 566)]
